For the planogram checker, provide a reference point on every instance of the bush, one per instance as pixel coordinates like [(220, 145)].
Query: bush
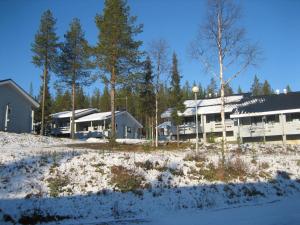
[(145, 165), (56, 184), (125, 180), (229, 171), (194, 157)]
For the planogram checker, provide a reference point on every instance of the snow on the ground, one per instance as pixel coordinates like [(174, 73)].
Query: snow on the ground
[(166, 183), (284, 212), (119, 140), (12, 140)]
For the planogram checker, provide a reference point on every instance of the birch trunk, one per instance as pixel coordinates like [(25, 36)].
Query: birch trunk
[(177, 128), (73, 112), (220, 53), (156, 120)]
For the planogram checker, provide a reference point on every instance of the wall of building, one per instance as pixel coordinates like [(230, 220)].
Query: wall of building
[(21, 111), (124, 121)]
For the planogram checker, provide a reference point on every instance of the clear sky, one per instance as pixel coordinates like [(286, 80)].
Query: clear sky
[(274, 24)]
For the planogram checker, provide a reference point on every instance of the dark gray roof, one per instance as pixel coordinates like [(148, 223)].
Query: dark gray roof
[(275, 102)]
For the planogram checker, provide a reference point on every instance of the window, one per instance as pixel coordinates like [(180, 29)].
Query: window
[(213, 118), (256, 119), (272, 119), (128, 129), (245, 121), (292, 117)]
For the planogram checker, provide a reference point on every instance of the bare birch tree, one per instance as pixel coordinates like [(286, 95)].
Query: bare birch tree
[(222, 48), (159, 52)]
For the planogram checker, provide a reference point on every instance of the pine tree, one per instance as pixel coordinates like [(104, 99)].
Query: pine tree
[(105, 100), (82, 100), (117, 52), (228, 90), (187, 91), (74, 64), (95, 99), (176, 97), (31, 89), (288, 88), (44, 49), (239, 91), (256, 88), (212, 88), (62, 100), (147, 96), (266, 88)]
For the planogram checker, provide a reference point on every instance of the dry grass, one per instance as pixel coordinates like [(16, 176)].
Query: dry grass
[(126, 180), (168, 146)]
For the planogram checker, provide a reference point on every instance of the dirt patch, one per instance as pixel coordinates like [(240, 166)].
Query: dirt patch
[(168, 146)]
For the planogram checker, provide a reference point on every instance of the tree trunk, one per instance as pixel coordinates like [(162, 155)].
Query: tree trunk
[(152, 130), (177, 136), (156, 120), (73, 112), (43, 100), (112, 101), (224, 144)]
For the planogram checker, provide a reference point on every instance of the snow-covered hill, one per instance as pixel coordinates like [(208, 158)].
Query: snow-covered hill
[(62, 185)]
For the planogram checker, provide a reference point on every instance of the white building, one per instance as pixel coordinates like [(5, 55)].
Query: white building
[(92, 123), (248, 118)]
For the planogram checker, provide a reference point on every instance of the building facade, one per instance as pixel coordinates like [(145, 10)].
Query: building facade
[(16, 108), (263, 118), (92, 123)]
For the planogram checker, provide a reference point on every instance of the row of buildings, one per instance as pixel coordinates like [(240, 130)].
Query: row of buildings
[(248, 118)]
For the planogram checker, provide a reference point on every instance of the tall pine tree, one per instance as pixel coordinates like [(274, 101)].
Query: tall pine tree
[(176, 97), (44, 49), (117, 52), (74, 64)]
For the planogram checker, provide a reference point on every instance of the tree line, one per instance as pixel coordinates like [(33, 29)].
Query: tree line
[(145, 83)]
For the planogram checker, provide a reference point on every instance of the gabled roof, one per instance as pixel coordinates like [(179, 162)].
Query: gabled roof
[(27, 96), (96, 116), (267, 105), (78, 113), (105, 115), (207, 106)]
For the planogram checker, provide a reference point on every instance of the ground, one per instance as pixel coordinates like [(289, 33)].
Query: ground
[(58, 181)]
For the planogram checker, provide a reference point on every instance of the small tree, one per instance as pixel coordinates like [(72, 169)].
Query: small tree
[(212, 88), (222, 49), (44, 49), (74, 65), (159, 55), (117, 52), (176, 97), (105, 100), (239, 90), (95, 99), (256, 87), (288, 88), (266, 88)]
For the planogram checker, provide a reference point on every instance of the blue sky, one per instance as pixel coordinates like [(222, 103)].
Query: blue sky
[(274, 24)]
